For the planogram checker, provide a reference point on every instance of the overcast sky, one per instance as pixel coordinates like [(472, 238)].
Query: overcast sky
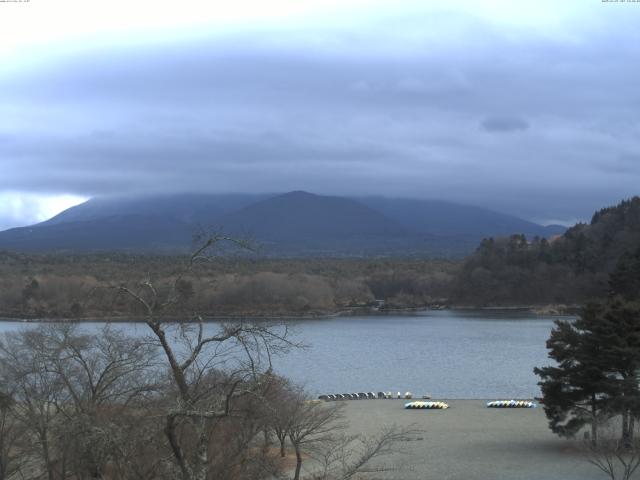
[(530, 107)]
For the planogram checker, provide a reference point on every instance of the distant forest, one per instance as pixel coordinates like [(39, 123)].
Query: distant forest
[(510, 271), (72, 286), (571, 268)]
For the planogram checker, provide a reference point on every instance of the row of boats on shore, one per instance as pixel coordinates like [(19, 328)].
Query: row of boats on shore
[(493, 404), (369, 396), (422, 404)]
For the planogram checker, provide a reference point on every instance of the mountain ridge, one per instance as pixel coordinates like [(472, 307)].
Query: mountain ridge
[(295, 223)]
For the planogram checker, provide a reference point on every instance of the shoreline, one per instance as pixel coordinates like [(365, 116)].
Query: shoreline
[(541, 310)]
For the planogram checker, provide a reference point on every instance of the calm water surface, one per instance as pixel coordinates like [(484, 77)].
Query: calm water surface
[(448, 354)]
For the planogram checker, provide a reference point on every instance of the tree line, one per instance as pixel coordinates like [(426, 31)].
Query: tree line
[(65, 286)]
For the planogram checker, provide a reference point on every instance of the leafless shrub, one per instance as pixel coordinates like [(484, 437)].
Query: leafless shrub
[(316, 431), (617, 458), (346, 456)]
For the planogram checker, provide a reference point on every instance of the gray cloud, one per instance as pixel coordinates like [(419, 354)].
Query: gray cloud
[(624, 164), (364, 116), (504, 124)]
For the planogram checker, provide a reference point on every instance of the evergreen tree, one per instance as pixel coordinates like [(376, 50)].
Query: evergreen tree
[(596, 377), (625, 280), (618, 330), (575, 391)]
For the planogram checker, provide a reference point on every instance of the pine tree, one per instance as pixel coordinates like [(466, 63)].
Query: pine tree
[(576, 391), (598, 360), (625, 280), (618, 330)]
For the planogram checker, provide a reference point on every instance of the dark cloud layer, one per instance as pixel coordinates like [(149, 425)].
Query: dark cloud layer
[(504, 124), (538, 126)]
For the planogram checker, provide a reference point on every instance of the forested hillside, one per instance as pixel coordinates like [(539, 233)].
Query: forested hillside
[(571, 268)]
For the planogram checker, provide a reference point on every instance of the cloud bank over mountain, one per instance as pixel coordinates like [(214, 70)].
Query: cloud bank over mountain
[(536, 116)]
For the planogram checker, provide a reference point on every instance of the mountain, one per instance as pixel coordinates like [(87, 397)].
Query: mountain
[(295, 223), (436, 217), (299, 222), (151, 232), (188, 208)]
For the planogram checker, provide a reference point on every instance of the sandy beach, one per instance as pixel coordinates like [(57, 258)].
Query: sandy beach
[(471, 442)]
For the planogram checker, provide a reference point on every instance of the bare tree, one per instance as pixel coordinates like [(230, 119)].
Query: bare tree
[(139, 446), (11, 434), (241, 350), (107, 368), (312, 423), (71, 388), (346, 456), (282, 400), (37, 391), (237, 439), (317, 430), (104, 374), (616, 457)]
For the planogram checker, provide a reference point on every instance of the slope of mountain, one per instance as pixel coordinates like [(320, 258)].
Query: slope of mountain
[(436, 217), (109, 233), (295, 223), (300, 215), (303, 223), (189, 208)]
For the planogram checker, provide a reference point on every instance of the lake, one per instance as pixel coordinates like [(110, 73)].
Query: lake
[(447, 353)]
